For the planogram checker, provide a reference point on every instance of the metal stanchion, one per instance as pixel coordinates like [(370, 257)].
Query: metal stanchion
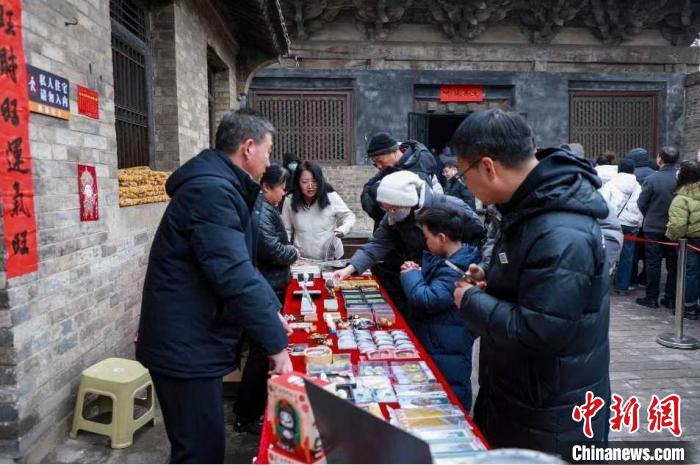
[(677, 340)]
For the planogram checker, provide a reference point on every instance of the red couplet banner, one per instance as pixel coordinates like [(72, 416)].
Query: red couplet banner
[(16, 186)]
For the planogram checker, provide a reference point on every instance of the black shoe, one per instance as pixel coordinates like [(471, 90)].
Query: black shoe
[(668, 303), (251, 427), (647, 302)]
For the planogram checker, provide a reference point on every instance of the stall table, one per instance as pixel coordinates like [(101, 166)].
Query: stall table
[(293, 306)]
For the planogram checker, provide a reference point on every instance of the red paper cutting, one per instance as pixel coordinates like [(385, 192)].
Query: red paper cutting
[(15, 158), (87, 189)]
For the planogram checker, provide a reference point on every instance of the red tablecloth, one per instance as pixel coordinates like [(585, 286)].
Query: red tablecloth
[(293, 306)]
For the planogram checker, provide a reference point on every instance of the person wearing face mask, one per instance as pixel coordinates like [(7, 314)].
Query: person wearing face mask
[(275, 255), (402, 195), (290, 161), (203, 291), (314, 215)]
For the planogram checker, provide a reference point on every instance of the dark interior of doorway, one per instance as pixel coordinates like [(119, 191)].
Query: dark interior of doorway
[(441, 128)]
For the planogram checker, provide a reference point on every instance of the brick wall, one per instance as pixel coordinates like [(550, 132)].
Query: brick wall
[(691, 137), (83, 303), (193, 32), (348, 182)]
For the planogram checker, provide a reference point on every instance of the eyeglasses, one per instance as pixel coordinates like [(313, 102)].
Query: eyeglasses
[(309, 183), (471, 165), (390, 209)]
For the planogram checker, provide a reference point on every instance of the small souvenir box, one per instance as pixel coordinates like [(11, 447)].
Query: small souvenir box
[(293, 427), (412, 373)]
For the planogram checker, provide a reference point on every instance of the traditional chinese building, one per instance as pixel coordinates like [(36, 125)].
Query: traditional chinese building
[(112, 84), (609, 75)]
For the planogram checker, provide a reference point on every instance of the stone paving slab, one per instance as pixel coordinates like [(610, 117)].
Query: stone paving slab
[(639, 366)]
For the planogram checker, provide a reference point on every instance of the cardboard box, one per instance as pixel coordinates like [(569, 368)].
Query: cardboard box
[(293, 428)]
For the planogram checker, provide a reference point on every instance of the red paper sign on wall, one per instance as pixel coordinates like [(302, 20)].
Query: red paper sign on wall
[(16, 185), (88, 102), (87, 189), (459, 93)]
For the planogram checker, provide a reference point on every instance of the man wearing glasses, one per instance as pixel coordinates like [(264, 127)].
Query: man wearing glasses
[(541, 304)]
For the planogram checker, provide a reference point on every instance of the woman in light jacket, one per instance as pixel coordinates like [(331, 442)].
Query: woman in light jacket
[(684, 221), (622, 193), (316, 218)]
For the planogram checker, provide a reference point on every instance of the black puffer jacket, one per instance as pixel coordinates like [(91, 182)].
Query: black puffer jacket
[(275, 253), (543, 318), (202, 288), (456, 188), (416, 159)]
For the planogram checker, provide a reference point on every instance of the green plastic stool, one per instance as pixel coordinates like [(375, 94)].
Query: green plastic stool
[(119, 380)]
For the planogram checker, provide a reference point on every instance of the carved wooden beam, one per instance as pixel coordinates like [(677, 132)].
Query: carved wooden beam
[(541, 21), (380, 17), (464, 20), (303, 17)]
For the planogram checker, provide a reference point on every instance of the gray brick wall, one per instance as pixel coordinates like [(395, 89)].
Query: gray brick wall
[(348, 182), (83, 303), (195, 28)]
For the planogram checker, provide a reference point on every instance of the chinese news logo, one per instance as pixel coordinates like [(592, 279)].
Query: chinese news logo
[(662, 414)]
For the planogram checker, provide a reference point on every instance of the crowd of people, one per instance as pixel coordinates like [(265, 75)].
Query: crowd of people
[(531, 280)]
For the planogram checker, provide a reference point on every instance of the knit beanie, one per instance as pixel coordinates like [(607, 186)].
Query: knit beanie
[(381, 143), (400, 189)]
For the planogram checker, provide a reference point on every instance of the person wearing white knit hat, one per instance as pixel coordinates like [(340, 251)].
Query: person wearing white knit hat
[(400, 195)]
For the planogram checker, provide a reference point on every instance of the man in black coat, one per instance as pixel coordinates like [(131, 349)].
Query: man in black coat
[(455, 186), (542, 305), (389, 157), (654, 202), (202, 289)]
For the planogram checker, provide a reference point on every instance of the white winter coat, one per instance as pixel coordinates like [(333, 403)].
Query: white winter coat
[(622, 192), (606, 172), (311, 228)]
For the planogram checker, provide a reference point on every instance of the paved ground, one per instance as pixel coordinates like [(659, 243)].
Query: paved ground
[(639, 366)]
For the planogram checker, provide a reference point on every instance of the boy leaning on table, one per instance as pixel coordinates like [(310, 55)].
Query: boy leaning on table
[(429, 292)]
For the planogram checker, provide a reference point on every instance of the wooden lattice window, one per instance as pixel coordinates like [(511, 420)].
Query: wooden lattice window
[(617, 121), (131, 64), (315, 125)]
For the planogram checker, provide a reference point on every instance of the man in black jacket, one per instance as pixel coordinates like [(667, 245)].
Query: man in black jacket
[(654, 202), (542, 305), (202, 290), (388, 156)]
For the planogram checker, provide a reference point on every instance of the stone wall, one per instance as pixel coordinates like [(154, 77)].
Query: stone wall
[(348, 182), (383, 99), (83, 303), (691, 139)]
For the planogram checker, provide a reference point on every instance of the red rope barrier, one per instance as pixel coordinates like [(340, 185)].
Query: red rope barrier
[(672, 244)]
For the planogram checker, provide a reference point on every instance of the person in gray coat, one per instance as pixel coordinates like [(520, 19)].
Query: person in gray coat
[(402, 195), (642, 168), (654, 202)]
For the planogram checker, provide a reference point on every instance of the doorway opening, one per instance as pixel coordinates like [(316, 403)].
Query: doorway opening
[(434, 130)]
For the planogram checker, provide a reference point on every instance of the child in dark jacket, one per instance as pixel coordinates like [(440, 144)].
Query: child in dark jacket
[(429, 290)]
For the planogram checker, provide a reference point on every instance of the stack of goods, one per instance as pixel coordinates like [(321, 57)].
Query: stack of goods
[(141, 185), (426, 412), (368, 303), (356, 283), (378, 345)]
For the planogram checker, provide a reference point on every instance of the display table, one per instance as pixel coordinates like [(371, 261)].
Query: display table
[(292, 306)]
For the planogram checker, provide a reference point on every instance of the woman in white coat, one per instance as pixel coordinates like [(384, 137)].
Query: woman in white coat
[(315, 216), (622, 193)]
